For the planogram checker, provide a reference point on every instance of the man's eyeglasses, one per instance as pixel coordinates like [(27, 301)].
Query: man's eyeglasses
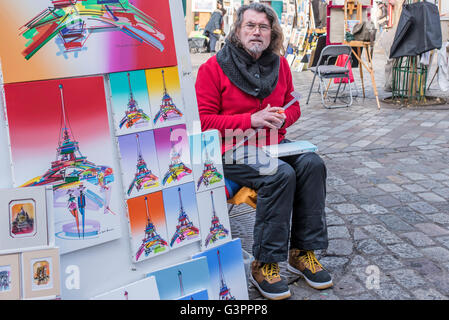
[(253, 26)]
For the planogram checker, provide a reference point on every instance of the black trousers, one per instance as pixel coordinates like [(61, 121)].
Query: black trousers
[(291, 193)]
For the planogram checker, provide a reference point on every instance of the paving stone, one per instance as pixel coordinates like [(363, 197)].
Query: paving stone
[(395, 223), (346, 208), (389, 187), (404, 250), (348, 285), (374, 209), (335, 198), (387, 201), (392, 291), (418, 239), (414, 187), (359, 219), (409, 215), (370, 247), (444, 240), (359, 234), (422, 207), (337, 232), (440, 218), (346, 189), (437, 254), (406, 197), (414, 176), (431, 197), (358, 261), (387, 262), (334, 220), (432, 229), (372, 191), (364, 171), (428, 294), (334, 264), (339, 247), (408, 278), (382, 234)]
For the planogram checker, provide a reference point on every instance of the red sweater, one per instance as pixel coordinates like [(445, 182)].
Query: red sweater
[(223, 106)]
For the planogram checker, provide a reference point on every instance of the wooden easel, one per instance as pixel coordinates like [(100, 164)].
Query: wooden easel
[(349, 7)]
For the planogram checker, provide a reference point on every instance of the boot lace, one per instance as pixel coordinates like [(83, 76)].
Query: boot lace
[(311, 261), (270, 270)]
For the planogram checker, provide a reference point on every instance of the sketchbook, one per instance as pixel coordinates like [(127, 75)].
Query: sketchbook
[(289, 148)]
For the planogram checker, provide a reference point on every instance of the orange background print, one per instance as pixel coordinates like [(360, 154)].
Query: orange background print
[(137, 212)]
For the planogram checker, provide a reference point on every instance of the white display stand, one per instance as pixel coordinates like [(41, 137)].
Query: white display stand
[(92, 271)]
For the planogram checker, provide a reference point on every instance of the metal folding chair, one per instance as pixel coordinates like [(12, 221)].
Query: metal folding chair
[(324, 70)]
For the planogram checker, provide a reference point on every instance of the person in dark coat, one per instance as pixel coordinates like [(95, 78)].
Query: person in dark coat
[(213, 28)]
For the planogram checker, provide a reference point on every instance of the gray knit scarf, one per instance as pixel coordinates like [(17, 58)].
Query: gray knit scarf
[(255, 77)]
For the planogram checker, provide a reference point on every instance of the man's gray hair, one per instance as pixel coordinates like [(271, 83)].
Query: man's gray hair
[(277, 36)]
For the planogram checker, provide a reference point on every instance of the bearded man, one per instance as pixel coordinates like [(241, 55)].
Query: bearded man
[(243, 88)]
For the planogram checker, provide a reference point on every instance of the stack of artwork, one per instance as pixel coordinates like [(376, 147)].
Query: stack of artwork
[(96, 118), (29, 263)]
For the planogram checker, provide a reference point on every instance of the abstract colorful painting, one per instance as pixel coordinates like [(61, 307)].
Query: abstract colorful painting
[(214, 219), (24, 223), (172, 145), (40, 273), (62, 138), (148, 229), (165, 96), (181, 214), (50, 39), (145, 289), (130, 102), (9, 277), (182, 279), (206, 159), (22, 218), (226, 271), (139, 163)]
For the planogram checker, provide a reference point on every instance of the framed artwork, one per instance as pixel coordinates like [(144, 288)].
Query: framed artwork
[(174, 282), (205, 149), (214, 219), (25, 222), (198, 295), (172, 147), (145, 289), (226, 271), (166, 101), (40, 273), (130, 102), (71, 118), (148, 229), (139, 163), (53, 39), (10, 277), (181, 214)]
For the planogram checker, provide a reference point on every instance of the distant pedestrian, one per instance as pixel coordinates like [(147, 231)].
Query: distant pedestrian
[(214, 28)]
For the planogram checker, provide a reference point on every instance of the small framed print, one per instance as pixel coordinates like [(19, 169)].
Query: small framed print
[(22, 218), (9, 277), (26, 220), (40, 273)]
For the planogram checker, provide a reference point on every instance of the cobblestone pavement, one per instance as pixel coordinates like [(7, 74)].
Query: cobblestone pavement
[(388, 191)]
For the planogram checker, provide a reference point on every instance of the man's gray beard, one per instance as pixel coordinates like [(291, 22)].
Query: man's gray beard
[(257, 48)]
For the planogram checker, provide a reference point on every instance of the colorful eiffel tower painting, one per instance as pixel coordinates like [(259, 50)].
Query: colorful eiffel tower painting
[(210, 173), (216, 231), (225, 292), (143, 178), (134, 116), (177, 169), (152, 242), (185, 230), (73, 177), (168, 109)]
